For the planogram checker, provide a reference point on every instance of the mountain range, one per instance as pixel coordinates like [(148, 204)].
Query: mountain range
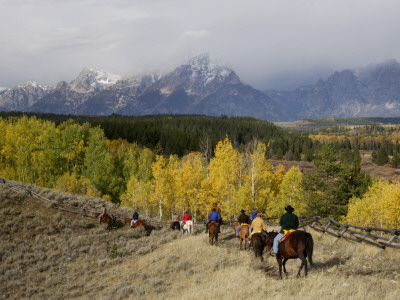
[(202, 86)]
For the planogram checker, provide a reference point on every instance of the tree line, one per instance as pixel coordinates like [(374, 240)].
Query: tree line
[(79, 158)]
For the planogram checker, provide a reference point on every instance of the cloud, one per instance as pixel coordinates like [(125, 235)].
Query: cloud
[(268, 43)]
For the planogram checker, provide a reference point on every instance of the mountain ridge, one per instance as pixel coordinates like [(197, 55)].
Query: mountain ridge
[(202, 86)]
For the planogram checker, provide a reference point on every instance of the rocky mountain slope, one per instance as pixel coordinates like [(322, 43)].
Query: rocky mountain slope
[(202, 86), (198, 87), (373, 91)]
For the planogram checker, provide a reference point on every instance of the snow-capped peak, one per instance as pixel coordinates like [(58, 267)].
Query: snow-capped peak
[(94, 80), (202, 67)]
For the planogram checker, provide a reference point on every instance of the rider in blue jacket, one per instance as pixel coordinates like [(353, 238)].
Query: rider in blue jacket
[(135, 217), (214, 216)]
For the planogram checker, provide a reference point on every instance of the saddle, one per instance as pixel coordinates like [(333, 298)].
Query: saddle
[(215, 222), (287, 233)]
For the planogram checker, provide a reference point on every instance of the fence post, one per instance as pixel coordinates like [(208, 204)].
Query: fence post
[(360, 240), (326, 228), (346, 227)]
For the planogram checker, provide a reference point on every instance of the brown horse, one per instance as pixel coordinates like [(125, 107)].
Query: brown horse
[(138, 223), (258, 242), (244, 236), (109, 220), (213, 231), (300, 244)]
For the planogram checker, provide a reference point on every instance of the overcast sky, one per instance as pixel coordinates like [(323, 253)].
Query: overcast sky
[(269, 43)]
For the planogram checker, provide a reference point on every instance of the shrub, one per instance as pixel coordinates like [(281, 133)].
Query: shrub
[(113, 252)]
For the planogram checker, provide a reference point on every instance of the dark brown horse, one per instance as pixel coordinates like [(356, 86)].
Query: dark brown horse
[(109, 220), (175, 225), (300, 244), (244, 236), (213, 230), (258, 242)]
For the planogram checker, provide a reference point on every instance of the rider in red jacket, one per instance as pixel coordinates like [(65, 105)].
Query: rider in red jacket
[(186, 217)]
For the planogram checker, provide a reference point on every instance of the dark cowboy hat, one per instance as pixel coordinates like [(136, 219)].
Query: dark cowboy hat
[(289, 209), (242, 211)]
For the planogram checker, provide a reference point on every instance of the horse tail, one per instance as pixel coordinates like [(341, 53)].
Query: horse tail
[(309, 248), (260, 245)]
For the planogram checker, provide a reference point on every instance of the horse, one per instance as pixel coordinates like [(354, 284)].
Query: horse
[(213, 230), (187, 227), (243, 236), (109, 220), (138, 223), (258, 241), (300, 244), (175, 225)]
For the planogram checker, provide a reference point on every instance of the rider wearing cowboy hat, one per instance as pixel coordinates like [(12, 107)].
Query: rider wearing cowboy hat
[(242, 219), (288, 221)]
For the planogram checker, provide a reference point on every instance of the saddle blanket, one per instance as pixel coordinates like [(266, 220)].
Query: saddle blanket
[(213, 222), (287, 235)]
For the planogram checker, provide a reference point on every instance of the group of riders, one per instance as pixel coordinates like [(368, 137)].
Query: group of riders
[(135, 215), (289, 222)]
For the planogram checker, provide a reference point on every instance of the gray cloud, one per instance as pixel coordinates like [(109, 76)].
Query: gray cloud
[(268, 43)]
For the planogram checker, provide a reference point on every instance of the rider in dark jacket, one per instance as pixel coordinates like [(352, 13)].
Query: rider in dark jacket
[(288, 221), (135, 217), (242, 219)]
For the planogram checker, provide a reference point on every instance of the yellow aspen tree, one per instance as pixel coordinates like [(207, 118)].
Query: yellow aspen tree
[(224, 169), (379, 206), (137, 196), (159, 195), (290, 192), (22, 139), (258, 179), (188, 183), (173, 203), (277, 178), (164, 190)]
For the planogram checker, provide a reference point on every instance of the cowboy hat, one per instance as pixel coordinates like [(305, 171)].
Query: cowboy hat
[(289, 209)]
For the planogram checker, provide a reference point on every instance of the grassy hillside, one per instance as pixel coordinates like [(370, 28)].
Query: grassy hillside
[(47, 253)]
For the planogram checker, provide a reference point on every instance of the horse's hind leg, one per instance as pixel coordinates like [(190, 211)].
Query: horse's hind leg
[(284, 267), (303, 263), (279, 260)]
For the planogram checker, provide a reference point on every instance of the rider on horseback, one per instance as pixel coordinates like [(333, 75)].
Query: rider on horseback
[(289, 221), (214, 216), (186, 217), (242, 219), (252, 217), (135, 217), (218, 210), (103, 213), (258, 225)]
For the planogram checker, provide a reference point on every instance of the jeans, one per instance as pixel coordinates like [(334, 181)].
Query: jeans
[(237, 229), (276, 240)]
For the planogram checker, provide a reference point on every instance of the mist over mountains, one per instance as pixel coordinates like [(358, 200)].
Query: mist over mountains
[(202, 86)]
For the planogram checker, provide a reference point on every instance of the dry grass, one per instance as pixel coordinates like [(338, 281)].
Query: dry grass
[(48, 254)]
